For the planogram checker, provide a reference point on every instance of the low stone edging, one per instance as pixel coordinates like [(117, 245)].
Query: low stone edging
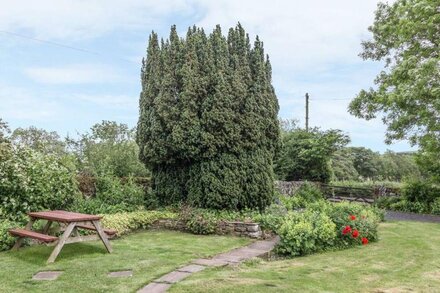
[(236, 228)]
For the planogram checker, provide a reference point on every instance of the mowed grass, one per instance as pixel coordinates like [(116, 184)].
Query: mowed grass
[(407, 258), (150, 254)]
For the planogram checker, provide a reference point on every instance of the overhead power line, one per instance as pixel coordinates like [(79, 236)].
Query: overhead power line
[(59, 45)]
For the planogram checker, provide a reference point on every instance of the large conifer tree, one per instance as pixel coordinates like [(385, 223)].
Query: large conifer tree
[(208, 126)]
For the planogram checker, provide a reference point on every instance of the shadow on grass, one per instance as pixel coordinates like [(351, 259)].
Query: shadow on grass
[(39, 254)]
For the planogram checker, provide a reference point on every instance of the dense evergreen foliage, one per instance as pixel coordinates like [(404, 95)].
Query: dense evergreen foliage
[(208, 123)]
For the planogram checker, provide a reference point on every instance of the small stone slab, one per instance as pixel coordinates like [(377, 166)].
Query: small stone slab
[(47, 275), (121, 274), (192, 268), (155, 288), (173, 277), (211, 262), (264, 246)]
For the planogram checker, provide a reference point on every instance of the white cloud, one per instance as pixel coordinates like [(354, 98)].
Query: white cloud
[(298, 34), (73, 74), (79, 19)]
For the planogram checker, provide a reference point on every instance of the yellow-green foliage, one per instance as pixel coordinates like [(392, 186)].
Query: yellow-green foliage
[(123, 223)]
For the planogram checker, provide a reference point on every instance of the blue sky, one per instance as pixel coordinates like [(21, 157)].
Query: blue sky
[(313, 46)]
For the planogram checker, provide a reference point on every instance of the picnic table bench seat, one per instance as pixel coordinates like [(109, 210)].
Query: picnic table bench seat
[(32, 234), (109, 232)]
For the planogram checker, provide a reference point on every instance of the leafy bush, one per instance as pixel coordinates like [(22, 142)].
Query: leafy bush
[(124, 223), (113, 191), (112, 196), (31, 181), (411, 207), (435, 207), (325, 225), (307, 193), (305, 233), (416, 197), (362, 218), (202, 223), (6, 240), (420, 191)]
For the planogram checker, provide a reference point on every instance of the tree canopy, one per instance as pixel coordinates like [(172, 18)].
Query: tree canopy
[(208, 124), (306, 155), (406, 37)]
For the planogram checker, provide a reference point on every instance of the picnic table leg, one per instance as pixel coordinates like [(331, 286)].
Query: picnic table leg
[(19, 241), (61, 243), (102, 235), (47, 227)]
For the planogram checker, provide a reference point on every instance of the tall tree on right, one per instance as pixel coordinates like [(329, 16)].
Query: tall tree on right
[(406, 37)]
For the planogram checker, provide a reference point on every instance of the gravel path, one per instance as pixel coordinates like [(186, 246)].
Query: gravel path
[(401, 216)]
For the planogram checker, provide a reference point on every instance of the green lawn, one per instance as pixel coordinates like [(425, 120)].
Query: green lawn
[(406, 258), (149, 254)]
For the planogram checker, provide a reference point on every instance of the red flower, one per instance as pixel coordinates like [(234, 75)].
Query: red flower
[(364, 241), (346, 230), (355, 234), (352, 217)]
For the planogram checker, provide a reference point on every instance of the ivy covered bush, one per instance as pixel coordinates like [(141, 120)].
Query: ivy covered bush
[(32, 181), (208, 126)]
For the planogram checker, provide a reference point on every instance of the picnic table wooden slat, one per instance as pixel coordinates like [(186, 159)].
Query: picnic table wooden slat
[(32, 234), (64, 216)]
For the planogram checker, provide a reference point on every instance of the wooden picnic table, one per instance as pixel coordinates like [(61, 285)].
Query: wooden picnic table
[(72, 221)]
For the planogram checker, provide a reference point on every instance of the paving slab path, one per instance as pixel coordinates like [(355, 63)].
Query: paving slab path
[(233, 257)]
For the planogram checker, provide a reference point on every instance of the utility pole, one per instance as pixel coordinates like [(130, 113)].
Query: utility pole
[(307, 112)]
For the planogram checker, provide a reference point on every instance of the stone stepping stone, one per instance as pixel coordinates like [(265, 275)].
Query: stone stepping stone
[(211, 262), (240, 254), (155, 288), (265, 246), (172, 277), (233, 257), (47, 275), (118, 274), (192, 268)]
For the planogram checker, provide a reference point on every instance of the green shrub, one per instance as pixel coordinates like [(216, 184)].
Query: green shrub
[(124, 223), (307, 193), (98, 206), (385, 202), (365, 220), (411, 207), (435, 207), (31, 181), (6, 240), (305, 233), (202, 223), (113, 191), (112, 196), (420, 191)]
